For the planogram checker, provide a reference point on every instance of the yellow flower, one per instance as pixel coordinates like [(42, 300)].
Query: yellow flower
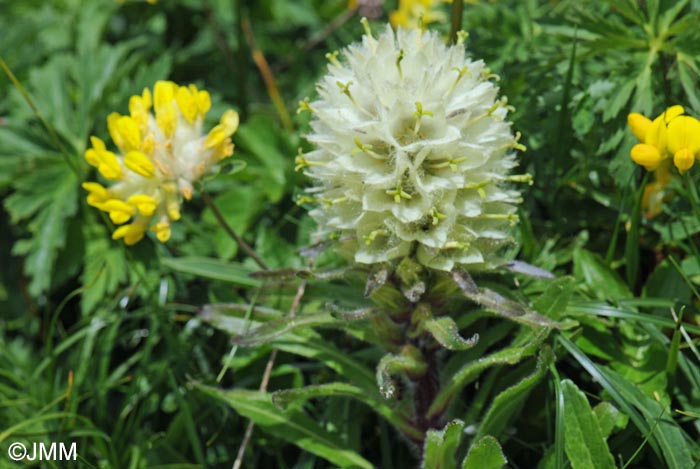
[(161, 154), (684, 141), (414, 13), (654, 137)]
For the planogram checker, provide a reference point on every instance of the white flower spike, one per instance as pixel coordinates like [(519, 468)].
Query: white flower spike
[(413, 154)]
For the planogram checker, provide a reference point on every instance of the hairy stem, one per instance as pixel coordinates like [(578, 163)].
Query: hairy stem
[(224, 224)]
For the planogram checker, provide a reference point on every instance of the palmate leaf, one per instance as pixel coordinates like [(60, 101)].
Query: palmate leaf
[(46, 197), (291, 425)]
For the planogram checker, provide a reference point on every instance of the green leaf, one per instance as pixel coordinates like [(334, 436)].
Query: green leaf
[(105, 266), (446, 332), (485, 454), (273, 329), (668, 439), (259, 137), (213, 269), (239, 205), (47, 197), (508, 403), (598, 276), (440, 446), (502, 306), (671, 438), (282, 399), (408, 362), (291, 425), (609, 418), (519, 350), (584, 442), (555, 298)]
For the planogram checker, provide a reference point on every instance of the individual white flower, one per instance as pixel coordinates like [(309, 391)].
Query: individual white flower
[(413, 153), (161, 155)]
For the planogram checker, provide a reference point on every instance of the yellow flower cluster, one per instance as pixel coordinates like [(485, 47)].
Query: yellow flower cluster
[(671, 135), (161, 154), (413, 13)]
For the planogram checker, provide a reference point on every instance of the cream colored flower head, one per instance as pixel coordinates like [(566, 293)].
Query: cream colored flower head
[(413, 153), (161, 154)]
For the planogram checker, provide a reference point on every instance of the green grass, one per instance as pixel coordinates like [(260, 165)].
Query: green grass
[(151, 356)]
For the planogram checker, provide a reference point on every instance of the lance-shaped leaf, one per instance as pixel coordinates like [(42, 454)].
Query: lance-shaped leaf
[(212, 269), (440, 447), (446, 332), (524, 268), (508, 403), (485, 454), (282, 399), (273, 329), (501, 305), (583, 440), (290, 273), (519, 350), (555, 298), (409, 362), (291, 425), (352, 315)]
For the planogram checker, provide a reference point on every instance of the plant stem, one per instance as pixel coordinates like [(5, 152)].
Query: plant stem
[(266, 377), (57, 141), (268, 77), (241, 243), (456, 17)]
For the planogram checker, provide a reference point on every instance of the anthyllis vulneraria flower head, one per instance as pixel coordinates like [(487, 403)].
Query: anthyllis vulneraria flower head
[(671, 135), (413, 153), (161, 154)]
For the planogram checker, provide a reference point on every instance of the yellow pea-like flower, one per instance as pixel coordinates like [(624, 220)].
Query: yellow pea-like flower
[(162, 152), (684, 141)]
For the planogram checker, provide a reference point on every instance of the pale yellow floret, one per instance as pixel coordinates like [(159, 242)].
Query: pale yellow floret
[(140, 164), (145, 204)]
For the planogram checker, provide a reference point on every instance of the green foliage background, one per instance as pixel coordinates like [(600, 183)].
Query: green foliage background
[(120, 349)]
